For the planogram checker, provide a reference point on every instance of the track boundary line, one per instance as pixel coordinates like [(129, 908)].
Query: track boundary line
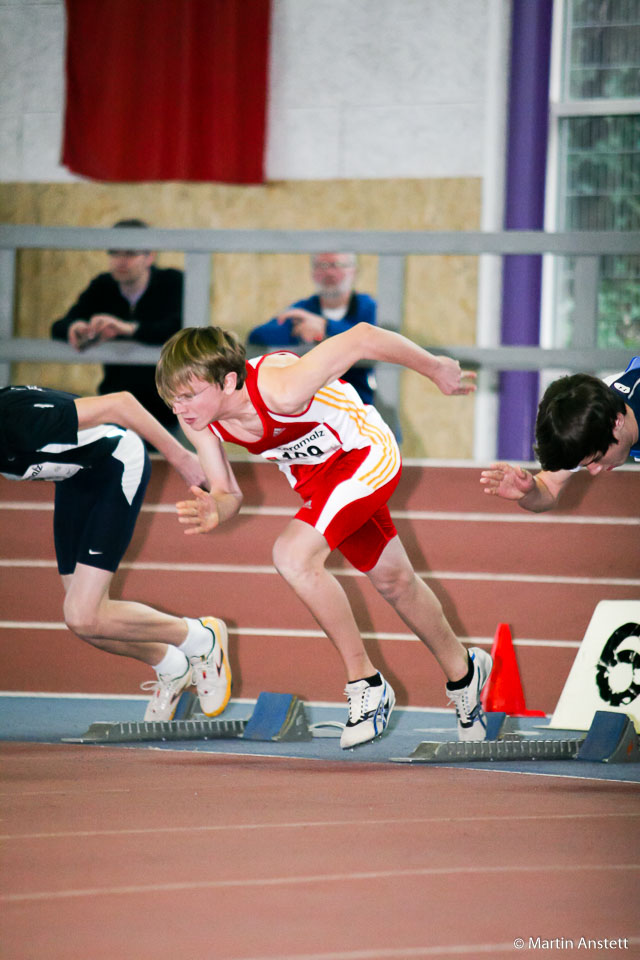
[(269, 570), (319, 878), (308, 824), (309, 635), (407, 953), (443, 515)]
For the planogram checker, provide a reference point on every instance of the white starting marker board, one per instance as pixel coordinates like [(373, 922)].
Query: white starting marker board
[(606, 672)]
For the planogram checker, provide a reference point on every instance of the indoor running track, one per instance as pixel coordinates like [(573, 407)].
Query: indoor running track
[(135, 853)]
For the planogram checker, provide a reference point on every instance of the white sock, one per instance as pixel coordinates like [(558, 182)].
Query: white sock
[(198, 642), (173, 664)]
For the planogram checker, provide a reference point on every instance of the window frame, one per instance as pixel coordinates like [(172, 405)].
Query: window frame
[(562, 107)]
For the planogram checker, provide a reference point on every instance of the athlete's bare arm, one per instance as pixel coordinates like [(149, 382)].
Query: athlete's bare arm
[(208, 510), (123, 409), (537, 493), (288, 388)]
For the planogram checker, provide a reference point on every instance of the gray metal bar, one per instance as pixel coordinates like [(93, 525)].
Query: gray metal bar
[(537, 358), (7, 294), (390, 291), (197, 290), (585, 284), (582, 243), (491, 358), (39, 350)]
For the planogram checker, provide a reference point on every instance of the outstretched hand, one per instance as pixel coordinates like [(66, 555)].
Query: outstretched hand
[(200, 515), (506, 481), (451, 380)]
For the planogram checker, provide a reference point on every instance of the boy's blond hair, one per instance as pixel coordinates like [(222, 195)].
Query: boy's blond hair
[(208, 353)]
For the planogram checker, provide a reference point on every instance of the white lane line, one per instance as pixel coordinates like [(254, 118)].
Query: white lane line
[(269, 570), (410, 953), (27, 694), (63, 793), (309, 824), (308, 634), (320, 878), (453, 516)]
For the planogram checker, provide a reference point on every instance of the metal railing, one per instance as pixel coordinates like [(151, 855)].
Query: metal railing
[(392, 249)]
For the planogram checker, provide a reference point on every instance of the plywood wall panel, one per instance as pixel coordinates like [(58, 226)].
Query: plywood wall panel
[(250, 288)]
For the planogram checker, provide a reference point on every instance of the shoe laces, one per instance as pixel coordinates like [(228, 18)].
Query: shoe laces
[(164, 684), (462, 702), (357, 695)]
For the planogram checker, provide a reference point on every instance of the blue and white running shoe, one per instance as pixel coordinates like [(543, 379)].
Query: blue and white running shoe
[(369, 711), (472, 722)]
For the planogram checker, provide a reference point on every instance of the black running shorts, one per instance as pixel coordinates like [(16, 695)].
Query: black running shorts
[(96, 510)]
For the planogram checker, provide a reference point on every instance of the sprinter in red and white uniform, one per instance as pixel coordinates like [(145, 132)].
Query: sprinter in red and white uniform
[(342, 459)]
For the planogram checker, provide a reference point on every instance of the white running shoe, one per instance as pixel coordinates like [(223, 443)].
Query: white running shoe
[(212, 673), (167, 691), (472, 722), (369, 712)]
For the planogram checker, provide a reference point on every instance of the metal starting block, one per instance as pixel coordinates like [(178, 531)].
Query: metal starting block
[(611, 739), (275, 717), (463, 751)]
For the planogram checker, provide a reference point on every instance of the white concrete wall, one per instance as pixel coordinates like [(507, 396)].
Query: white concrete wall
[(358, 89), (31, 89), (377, 88)]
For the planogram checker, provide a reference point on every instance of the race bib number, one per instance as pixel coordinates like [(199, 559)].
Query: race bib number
[(47, 471), (316, 446)]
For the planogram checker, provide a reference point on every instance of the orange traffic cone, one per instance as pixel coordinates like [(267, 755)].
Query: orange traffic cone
[(503, 691)]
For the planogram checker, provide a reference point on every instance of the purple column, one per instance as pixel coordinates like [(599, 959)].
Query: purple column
[(524, 210)]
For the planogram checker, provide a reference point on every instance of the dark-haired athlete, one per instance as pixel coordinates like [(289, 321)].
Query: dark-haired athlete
[(582, 422)]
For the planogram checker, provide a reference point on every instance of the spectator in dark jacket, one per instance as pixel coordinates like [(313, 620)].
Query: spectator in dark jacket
[(137, 301), (334, 308)]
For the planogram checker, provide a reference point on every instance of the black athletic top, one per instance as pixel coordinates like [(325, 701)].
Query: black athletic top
[(39, 436)]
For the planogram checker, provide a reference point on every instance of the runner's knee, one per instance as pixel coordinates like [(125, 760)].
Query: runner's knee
[(80, 618), (287, 560), (292, 561), (395, 582)]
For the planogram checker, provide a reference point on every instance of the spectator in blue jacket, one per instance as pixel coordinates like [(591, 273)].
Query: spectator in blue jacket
[(334, 308)]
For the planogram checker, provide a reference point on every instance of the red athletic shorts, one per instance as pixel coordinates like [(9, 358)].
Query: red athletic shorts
[(353, 519)]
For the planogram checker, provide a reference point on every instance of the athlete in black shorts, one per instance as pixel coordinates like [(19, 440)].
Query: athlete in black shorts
[(92, 448)]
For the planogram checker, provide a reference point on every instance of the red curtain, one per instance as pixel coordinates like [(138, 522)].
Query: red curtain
[(166, 89)]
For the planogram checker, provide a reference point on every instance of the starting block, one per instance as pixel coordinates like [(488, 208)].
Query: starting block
[(611, 739), (500, 726), (276, 717), (457, 751)]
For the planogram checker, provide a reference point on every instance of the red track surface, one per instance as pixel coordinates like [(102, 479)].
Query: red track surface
[(135, 854), (487, 561)]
